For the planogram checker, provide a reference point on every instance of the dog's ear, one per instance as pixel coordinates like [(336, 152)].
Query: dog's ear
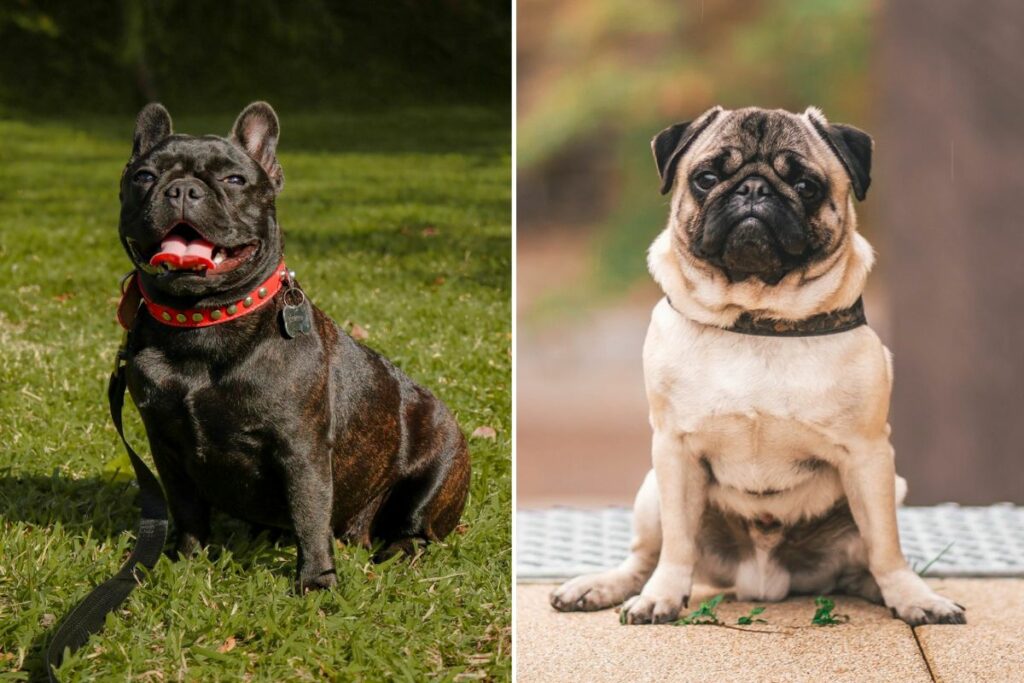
[(853, 147), (152, 125), (256, 130), (670, 144)]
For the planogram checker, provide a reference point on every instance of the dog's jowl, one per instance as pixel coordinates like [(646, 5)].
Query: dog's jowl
[(768, 393), (254, 401)]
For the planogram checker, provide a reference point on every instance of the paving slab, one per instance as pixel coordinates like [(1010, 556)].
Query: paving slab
[(990, 647), (554, 646)]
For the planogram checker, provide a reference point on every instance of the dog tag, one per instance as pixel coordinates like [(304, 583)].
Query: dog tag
[(296, 317)]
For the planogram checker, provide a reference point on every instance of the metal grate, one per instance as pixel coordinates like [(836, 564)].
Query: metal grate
[(558, 543)]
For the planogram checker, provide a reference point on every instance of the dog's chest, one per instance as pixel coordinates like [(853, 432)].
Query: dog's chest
[(764, 413), (215, 424)]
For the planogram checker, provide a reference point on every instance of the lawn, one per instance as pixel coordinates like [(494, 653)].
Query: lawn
[(397, 222)]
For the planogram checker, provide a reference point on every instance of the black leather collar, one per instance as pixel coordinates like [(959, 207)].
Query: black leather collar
[(833, 322)]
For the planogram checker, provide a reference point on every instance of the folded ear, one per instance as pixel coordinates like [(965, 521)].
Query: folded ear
[(256, 130), (670, 144), (851, 145), (152, 125)]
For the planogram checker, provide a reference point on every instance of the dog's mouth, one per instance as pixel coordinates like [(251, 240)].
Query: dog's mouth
[(185, 249)]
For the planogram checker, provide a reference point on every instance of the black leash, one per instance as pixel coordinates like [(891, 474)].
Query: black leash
[(89, 615)]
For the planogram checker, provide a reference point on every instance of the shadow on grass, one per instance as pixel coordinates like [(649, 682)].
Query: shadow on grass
[(104, 508)]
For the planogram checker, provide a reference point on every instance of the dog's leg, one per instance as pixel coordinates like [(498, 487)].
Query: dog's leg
[(682, 490), (869, 479), (310, 490), (190, 512), (606, 589), (426, 505)]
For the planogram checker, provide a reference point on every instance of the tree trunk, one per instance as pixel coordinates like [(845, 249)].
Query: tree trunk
[(950, 155)]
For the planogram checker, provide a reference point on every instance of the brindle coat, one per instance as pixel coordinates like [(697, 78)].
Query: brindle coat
[(316, 434)]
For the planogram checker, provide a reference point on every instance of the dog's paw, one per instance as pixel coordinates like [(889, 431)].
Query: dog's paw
[(188, 545), (324, 580), (592, 592), (665, 595), (643, 609), (405, 547), (910, 599)]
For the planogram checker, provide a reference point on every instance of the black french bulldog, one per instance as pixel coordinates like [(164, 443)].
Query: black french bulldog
[(288, 424)]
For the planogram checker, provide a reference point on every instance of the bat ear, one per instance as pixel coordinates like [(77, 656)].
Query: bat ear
[(152, 125), (853, 147), (670, 144), (257, 130)]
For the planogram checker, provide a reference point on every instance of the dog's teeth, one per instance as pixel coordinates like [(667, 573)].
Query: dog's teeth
[(219, 256)]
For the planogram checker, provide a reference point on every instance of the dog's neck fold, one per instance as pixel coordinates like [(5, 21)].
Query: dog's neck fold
[(705, 295)]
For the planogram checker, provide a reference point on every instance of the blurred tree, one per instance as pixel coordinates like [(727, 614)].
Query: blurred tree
[(950, 151), (598, 79), (56, 57)]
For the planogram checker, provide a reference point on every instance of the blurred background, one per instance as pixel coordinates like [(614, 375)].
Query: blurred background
[(63, 58), (936, 84)]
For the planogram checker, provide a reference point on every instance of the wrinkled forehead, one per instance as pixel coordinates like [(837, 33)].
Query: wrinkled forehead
[(196, 152), (750, 136)]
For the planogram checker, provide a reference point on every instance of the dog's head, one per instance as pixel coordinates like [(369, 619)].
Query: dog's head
[(197, 213), (760, 193)]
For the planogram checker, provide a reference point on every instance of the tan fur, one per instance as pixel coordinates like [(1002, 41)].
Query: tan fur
[(751, 409)]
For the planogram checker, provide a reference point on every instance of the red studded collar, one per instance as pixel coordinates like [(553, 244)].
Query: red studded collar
[(132, 293)]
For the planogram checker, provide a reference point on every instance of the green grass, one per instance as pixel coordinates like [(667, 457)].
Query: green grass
[(398, 222)]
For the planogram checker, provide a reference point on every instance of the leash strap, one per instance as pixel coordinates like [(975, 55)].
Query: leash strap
[(90, 614)]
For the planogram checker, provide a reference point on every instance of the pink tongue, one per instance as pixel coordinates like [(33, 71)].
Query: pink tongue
[(178, 252), (173, 245), (200, 248)]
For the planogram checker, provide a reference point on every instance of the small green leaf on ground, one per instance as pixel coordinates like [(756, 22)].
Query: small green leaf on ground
[(706, 614), (751, 617), (823, 615)]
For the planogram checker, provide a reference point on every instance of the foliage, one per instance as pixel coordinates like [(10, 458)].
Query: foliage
[(823, 615), (706, 614), (929, 563), (752, 617), (68, 57), (407, 236), (616, 72)]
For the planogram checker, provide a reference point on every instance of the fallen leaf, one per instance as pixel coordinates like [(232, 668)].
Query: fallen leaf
[(430, 231), (484, 432), (47, 620), (439, 280), (64, 297), (358, 332), (228, 645)]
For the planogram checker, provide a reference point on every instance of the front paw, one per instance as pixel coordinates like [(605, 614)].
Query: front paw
[(665, 595), (187, 545), (595, 591), (910, 599), (315, 580)]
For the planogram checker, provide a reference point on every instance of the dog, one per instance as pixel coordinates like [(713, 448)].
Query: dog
[(254, 401), (773, 471)]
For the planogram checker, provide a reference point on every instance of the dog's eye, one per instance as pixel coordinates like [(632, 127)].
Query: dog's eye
[(235, 180), (144, 177), (705, 181), (808, 189)]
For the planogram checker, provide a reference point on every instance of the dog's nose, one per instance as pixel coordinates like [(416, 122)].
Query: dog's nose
[(190, 188), (755, 187)]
